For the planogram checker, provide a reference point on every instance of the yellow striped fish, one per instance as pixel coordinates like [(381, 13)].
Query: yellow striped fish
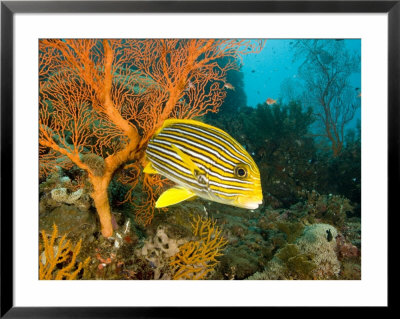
[(203, 161)]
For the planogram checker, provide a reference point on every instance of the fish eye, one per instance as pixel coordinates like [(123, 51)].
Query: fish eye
[(240, 171)]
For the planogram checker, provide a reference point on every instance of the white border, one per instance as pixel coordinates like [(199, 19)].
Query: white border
[(371, 290)]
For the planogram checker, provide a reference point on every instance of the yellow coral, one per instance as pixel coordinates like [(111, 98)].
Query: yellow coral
[(196, 259), (50, 256)]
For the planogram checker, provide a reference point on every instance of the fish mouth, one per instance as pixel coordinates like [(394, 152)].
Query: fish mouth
[(253, 205), (250, 204)]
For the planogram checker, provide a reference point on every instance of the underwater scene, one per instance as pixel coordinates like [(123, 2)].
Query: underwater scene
[(199, 159)]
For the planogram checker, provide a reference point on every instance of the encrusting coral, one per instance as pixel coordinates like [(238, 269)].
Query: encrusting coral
[(58, 261), (322, 246), (196, 259)]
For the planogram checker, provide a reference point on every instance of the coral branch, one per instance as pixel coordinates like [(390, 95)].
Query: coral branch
[(58, 262), (196, 259)]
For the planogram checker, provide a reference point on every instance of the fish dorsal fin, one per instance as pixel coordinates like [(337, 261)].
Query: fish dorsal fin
[(172, 121), (173, 196), (149, 169), (188, 161)]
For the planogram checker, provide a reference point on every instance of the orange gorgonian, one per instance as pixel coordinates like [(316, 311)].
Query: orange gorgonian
[(104, 99)]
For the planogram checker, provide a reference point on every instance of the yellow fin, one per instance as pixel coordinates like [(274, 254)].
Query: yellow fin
[(173, 196), (187, 160), (149, 169)]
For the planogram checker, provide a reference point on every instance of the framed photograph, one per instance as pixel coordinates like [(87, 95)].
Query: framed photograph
[(162, 155)]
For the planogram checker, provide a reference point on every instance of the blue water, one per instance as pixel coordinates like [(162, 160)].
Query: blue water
[(265, 72)]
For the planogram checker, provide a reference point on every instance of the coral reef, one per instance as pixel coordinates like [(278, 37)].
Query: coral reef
[(263, 244), (59, 261), (101, 100)]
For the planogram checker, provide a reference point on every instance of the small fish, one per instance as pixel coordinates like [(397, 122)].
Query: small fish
[(229, 86), (298, 142), (203, 161), (329, 236), (252, 71), (270, 101)]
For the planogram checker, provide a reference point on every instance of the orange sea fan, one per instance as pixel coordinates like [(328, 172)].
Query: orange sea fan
[(107, 97)]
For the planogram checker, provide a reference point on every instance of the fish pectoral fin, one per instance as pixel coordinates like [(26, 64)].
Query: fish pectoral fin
[(187, 160), (149, 169), (173, 196)]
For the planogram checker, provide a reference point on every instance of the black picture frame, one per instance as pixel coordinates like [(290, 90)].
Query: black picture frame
[(9, 8)]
